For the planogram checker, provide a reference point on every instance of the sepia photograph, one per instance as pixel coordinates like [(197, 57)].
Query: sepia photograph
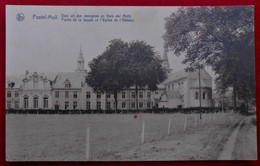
[(121, 83)]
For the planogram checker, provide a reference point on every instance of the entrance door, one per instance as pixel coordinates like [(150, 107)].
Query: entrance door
[(57, 107)]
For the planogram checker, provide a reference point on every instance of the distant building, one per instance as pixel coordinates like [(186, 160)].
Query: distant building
[(69, 91), (182, 90)]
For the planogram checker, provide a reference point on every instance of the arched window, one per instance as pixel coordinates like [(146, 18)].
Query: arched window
[(196, 95), (45, 102), (204, 95), (35, 102), (26, 102)]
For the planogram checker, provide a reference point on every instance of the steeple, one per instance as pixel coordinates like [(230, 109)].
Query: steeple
[(80, 62), (166, 64)]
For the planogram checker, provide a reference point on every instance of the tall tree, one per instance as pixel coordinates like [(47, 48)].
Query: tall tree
[(221, 37), (109, 72), (145, 68)]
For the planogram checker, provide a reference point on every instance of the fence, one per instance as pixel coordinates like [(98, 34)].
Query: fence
[(155, 110)]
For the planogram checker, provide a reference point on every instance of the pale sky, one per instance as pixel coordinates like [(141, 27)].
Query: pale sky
[(44, 45)]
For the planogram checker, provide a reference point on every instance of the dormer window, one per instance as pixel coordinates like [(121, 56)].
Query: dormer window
[(67, 85)]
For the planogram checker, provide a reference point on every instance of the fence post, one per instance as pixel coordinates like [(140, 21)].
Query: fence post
[(169, 126), (142, 134), (87, 143), (196, 121), (185, 122)]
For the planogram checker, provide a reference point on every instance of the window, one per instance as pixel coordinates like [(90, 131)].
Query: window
[(75, 105), (88, 95), (16, 104), (123, 95), (75, 95), (16, 94), (196, 95), (88, 105), (156, 92), (98, 95), (141, 95), (209, 95), (9, 94), (133, 105), (67, 94), (148, 105), (67, 84), (45, 102), (108, 106), (98, 105), (108, 95), (9, 105), (57, 94), (141, 105), (169, 86), (204, 95), (123, 105), (26, 102), (149, 95), (133, 95), (67, 105), (172, 86), (35, 102)]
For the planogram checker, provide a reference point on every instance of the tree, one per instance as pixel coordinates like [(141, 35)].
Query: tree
[(145, 68), (123, 65), (220, 37), (109, 72)]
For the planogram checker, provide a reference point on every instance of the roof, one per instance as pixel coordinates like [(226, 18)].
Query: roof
[(173, 93), (177, 75), (183, 74), (75, 78)]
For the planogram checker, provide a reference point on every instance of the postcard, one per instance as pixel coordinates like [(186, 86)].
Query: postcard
[(121, 83)]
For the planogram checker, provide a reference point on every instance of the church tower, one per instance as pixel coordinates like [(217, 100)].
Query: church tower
[(80, 62), (165, 63)]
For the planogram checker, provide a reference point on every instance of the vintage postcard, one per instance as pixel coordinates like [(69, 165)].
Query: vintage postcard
[(106, 83)]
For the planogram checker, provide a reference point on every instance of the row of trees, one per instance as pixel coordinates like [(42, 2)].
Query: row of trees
[(123, 65), (220, 37)]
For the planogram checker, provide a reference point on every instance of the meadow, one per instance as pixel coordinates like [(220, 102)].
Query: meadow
[(117, 137)]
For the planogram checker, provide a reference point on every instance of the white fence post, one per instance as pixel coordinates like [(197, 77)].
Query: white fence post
[(87, 143), (185, 123), (169, 126), (142, 136), (196, 119)]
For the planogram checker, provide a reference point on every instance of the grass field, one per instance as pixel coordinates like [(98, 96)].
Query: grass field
[(116, 137)]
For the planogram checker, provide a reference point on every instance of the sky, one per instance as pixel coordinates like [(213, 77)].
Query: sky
[(53, 45)]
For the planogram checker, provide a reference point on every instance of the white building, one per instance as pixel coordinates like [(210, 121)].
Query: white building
[(69, 91)]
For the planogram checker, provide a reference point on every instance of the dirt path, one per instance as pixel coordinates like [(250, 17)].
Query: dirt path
[(228, 148)]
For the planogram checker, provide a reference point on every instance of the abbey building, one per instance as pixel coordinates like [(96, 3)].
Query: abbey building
[(69, 91)]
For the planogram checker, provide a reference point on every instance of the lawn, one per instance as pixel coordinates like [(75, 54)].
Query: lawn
[(116, 137)]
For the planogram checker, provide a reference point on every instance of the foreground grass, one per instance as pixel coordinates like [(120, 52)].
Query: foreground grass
[(116, 137)]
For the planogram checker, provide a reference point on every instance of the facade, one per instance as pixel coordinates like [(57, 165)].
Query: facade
[(182, 90), (69, 91)]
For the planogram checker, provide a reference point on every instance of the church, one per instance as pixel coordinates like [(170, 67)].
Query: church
[(69, 91)]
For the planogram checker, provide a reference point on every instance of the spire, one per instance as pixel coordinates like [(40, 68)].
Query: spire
[(165, 58), (166, 64), (80, 51), (80, 61)]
